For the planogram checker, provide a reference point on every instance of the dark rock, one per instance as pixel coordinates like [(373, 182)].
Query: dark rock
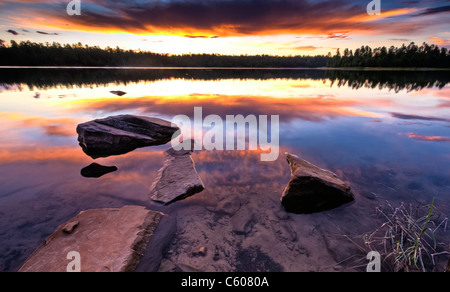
[(312, 189), (177, 179), (448, 267), (122, 134), (70, 227), (118, 93), (96, 170)]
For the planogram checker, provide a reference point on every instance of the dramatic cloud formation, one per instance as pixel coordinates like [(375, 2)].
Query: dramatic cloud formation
[(221, 18), (414, 117), (313, 108), (229, 26), (432, 11)]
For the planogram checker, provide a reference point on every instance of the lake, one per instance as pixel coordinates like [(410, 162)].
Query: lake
[(386, 133)]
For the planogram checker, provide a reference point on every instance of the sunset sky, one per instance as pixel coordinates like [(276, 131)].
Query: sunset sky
[(275, 27)]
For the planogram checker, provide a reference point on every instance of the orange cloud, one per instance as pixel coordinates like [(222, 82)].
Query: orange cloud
[(42, 154), (440, 42), (52, 126), (426, 138), (309, 108), (307, 48)]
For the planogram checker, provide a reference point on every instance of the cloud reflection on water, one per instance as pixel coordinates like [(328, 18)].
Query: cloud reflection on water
[(40, 160)]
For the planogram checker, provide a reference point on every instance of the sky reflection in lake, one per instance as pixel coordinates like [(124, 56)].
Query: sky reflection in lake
[(395, 145)]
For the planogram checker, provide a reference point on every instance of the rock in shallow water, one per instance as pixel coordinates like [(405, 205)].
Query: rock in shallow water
[(177, 179), (312, 189), (118, 92), (108, 240), (119, 135)]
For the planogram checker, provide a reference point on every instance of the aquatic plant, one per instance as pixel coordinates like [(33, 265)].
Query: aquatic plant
[(407, 239)]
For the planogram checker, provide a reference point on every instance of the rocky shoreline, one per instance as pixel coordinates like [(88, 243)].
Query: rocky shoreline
[(221, 228), (177, 180)]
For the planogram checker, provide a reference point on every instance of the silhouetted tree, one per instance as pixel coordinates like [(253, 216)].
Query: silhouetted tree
[(55, 54), (34, 54)]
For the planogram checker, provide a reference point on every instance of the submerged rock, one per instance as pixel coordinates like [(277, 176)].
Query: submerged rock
[(312, 189), (243, 221), (229, 206), (96, 170), (107, 240), (177, 179), (118, 135)]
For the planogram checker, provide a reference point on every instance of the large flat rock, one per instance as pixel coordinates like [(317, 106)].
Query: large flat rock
[(312, 189), (107, 240), (119, 135), (177, 179)]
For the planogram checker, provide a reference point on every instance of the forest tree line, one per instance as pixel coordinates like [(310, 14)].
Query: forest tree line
[(405, 56), (55, 54)]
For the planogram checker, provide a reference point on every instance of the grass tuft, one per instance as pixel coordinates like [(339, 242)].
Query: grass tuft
[(407, 239)]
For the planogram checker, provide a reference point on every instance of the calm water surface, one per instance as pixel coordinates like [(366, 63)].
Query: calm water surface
[(386, 133)]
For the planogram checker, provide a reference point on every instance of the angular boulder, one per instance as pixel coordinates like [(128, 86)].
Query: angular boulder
[(312, 189), (177, 179), (119, 135), (107, 240)]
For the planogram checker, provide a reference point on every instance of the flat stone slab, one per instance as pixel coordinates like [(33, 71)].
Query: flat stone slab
[(312, 189), (119, 135), (107, 240), (177, 179)]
